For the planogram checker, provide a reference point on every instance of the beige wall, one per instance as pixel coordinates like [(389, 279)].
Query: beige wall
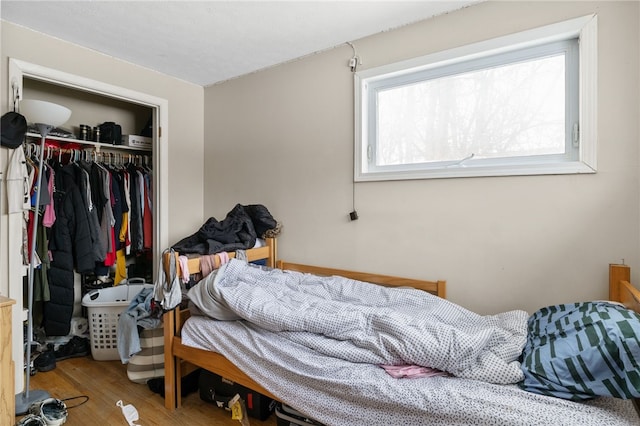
[(185, 110), (283, 137)]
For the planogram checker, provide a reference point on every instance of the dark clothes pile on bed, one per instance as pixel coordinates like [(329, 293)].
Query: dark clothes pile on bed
[(237, 231)]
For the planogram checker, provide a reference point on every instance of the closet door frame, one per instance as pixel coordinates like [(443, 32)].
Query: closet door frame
[(18, 70)]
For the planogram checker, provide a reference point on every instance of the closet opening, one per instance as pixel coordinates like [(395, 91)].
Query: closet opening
[(139, 160)]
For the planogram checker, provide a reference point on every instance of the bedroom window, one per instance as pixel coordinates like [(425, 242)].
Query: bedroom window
[(523, 104)]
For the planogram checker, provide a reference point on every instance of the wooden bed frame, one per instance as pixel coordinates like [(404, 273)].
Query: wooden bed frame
[(180, 359)]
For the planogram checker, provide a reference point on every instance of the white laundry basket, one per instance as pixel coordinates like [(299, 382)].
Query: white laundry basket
[(104, 307)]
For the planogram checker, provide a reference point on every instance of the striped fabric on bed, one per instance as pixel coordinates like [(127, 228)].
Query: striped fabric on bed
[(583, 350)]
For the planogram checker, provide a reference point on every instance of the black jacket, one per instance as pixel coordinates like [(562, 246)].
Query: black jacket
[(237, 231), (87, 197), (135, 213), (70, 246)]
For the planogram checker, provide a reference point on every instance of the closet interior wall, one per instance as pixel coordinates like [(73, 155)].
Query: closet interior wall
[(89, 108)]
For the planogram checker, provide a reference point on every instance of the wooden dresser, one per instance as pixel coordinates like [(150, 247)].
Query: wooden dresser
[(7, 391)]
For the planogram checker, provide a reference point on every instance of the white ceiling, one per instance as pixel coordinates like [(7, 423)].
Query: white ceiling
[(207, 42)]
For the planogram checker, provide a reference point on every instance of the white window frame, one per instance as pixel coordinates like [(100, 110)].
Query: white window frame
[(583, 28)]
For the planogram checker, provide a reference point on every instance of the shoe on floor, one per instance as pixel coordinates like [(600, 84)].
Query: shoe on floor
[(77, 346), (31, 420), (46, 361), (156, 385)]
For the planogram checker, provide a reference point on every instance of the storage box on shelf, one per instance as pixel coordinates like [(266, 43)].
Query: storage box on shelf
[(136, 141)]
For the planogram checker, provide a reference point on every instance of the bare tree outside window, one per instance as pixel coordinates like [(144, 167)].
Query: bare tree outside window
[(510, 110)]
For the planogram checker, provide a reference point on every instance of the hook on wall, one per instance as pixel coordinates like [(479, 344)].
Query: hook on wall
[(15, 95)]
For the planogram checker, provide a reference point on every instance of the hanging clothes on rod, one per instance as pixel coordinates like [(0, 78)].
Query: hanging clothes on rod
[(86, 202)]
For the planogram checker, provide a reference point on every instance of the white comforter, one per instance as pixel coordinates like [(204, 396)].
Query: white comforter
[(365, 323)]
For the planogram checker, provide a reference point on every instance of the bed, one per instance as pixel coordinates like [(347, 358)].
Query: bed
[(438, 400)]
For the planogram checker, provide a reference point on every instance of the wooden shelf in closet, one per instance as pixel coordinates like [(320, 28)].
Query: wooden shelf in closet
[(94, 145)]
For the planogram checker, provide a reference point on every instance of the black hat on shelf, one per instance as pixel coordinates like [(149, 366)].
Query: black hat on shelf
[(14, 127)]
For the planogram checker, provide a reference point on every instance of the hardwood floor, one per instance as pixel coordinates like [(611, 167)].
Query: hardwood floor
[(106, 382)]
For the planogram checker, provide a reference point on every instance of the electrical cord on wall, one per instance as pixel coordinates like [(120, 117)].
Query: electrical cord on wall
[(355, 59), (353, 65)]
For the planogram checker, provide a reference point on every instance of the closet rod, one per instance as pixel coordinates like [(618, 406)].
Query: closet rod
[(91, 153)]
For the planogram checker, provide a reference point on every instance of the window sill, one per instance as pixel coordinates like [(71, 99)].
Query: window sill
[(465, 171)]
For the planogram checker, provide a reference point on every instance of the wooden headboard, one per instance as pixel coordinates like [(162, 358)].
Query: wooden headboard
[(620, 288), (267, 252)]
